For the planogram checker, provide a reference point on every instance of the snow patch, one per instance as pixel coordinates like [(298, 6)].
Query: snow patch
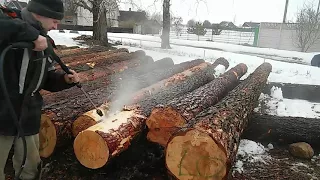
[(250, 151)]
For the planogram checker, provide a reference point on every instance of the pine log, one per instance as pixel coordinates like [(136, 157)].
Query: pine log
[(53, 134), (165, 119), (95, 146), (99, 61), (93, 79), (206, 148), (283, 130), (86, 120), (306, 92), (129, 74), (166, 83), (88, 56), (92, 141)]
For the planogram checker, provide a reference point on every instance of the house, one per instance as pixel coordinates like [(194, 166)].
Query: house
[(251, 25), (128, 19), (147, 27), (16, 4), (83, 17), (228, 24)]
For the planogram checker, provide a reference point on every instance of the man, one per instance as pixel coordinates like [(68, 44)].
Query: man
[(26, 73)]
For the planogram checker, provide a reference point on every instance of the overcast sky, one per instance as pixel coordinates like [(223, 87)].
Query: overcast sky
[(227, 10)]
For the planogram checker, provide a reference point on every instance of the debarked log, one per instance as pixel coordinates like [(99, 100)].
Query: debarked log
[(95, 146)]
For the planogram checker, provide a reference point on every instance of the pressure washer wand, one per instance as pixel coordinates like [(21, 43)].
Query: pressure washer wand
[(67, 70)]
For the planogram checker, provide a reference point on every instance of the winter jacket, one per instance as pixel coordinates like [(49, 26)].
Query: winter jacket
[(26, 73)]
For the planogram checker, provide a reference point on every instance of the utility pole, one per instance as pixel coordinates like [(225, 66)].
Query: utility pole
[(286, 10)]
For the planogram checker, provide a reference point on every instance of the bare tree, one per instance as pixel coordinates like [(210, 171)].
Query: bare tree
[(307, 27), (177, 23), (99, 10)]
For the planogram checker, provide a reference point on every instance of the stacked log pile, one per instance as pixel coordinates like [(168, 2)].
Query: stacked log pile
[(165, 119), (112, 134), (206, 147), (198, 118)]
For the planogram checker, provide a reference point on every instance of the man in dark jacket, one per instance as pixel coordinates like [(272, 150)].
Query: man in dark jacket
[(26, 73)]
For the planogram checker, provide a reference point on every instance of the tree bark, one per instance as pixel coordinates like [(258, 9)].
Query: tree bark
[(283, 130), (175, 86), (91, 55), (165, 37), (95, 146), (165, 120), (207, 147), (53, 134), (120, 99), (99, 22), (95, 78), (105, 142)]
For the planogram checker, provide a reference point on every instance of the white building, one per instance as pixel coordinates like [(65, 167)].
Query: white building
[(84, 17)]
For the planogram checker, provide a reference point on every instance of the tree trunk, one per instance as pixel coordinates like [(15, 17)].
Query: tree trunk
[(81, 51), (108, 141), (82, 57), (165, 37), (53, 134), (207, 147), (120, 99), (99, 22), (175, 86), (130, 74), (95, 146), (283, 130), (93, 79), (164, 121), (306, 92)]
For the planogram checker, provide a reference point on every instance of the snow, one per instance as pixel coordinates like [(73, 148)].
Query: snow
[(250, 151), (64, 38), (279, 106), (306, 57)]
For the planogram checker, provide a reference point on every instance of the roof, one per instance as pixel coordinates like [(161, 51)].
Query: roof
[(132, 15), (251, 24), (228, 24), (16, 4)]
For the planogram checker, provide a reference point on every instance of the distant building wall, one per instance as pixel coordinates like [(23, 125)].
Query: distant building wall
[(281, 36)]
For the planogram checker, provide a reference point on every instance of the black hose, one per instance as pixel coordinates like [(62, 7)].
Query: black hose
[(9, 103)]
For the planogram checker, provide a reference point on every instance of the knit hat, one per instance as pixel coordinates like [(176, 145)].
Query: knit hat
[(47, 8)]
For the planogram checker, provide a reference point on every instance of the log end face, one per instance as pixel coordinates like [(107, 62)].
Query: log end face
[(47, 136), (91, 150), (162, 123), (192, 154), (222, 61)]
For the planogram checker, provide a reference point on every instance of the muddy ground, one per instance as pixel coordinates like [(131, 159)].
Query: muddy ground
[(144, 160)]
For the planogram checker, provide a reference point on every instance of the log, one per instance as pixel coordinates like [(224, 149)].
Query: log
[(165, 119), (206, 147), (129, 74), (86, 120), (283, 130), (52, 134), (88, 56), (99, 61), (93, 79), (95, 146), (306, 92)]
